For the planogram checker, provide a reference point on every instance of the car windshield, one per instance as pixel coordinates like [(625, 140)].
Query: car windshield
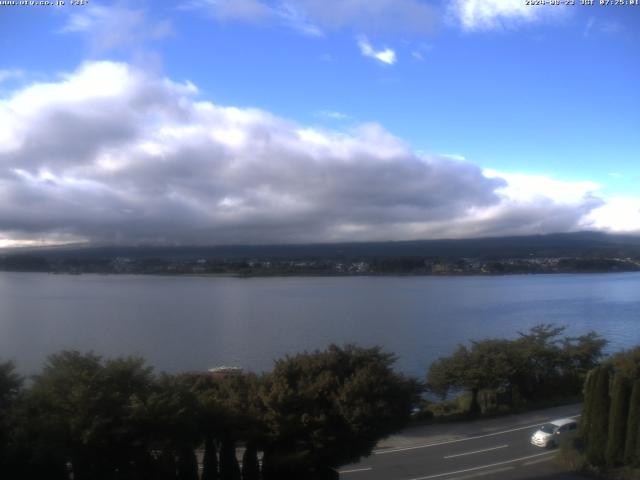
[(548, 428)]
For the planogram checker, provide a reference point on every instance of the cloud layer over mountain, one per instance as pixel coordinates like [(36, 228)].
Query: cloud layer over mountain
[(109, 153)]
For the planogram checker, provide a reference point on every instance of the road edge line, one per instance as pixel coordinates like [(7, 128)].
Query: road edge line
[(481, 467)]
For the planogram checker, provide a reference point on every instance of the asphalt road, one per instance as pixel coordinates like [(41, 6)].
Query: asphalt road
[(493, 449)]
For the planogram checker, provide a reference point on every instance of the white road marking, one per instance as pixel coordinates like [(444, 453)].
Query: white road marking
[(482, 474), (540, 460), (482, 466), (427, 445), (355, 470), (476, 451)]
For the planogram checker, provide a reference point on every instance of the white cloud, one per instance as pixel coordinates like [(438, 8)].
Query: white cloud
[(611, 27), (251, 11), (113, 153), (589, 26), (297, 20), (524, 194), (10, 73), (332, 115), (398, 16), (526, 188), (311, 17), (386, 55), (620, 214), (258, 12), (607, 27), (419, 51), (473, 15), (115, 27)]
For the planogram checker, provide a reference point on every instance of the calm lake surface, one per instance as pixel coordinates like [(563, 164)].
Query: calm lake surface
[(194, 323)]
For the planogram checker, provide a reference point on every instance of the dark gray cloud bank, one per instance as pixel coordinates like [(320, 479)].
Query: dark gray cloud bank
[(111, 154)]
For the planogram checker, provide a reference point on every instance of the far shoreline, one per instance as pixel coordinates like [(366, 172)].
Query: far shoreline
[(323, 275)]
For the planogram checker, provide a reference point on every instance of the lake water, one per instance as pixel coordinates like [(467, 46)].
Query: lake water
[(193, 323)]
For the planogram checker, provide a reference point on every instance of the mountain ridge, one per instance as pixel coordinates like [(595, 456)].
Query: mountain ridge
[(584, 243)]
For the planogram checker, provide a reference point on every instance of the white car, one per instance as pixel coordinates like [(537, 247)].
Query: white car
[(550, 434)]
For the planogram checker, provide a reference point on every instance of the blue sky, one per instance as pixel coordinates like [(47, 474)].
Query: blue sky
[(532, 111)]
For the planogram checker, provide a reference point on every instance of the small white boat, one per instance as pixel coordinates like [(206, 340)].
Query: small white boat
[(224, 371)]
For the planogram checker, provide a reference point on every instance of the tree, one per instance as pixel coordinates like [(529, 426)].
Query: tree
[(587, 407), (610, 423), (539, 360), (229, 468), (488, 364), (210, 459), (10, 385), (211, 417), (328, 408), (537, 365), (446, 373), (187, 463), (231, 411), (583, 353), (250, 464), (626, 363), (598, 426), (170, 419), (618, 416), (632, 442), (79, 411)]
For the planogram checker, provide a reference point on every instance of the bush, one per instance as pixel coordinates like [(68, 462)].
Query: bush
[(571, 455), (447, 408)]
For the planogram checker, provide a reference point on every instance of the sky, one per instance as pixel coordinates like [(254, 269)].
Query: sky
[(290, 121)]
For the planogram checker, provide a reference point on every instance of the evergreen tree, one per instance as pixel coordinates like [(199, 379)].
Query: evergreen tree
[(598, 428), (229, 468), (250, 465), (636, 462), (627, 363), (187, 464), (210, 460), (618, 414), (587, 406), (632, 444), (166, 466)]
